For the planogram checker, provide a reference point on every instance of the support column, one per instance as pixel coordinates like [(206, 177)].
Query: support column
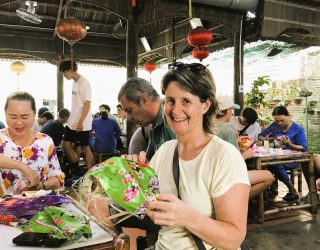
[(132, 66), (60, 95), (238, 68)]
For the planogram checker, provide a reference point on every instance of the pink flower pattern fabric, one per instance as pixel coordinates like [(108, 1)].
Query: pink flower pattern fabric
[(40, 156)]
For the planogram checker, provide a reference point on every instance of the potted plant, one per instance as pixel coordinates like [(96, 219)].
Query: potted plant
[(256, 96), (304, 92), (311, 107), (295, 94)]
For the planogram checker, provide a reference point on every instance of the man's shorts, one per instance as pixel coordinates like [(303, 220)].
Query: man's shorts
[(80, 138)]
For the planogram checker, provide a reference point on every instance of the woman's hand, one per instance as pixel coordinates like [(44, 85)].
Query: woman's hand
[(31, 175), (139, 158), (168, 210)]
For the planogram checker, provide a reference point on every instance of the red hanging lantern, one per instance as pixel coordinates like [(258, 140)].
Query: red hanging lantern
[(71, 30), (150, 66), (200, 53), (134, 3), (199, 37)]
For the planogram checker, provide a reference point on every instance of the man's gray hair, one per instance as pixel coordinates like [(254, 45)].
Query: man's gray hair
[(135, 87)]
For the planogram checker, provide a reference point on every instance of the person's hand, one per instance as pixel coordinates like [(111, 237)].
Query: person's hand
[(318, 184), (284, 140), (168, 210), (139, 158), (32, 177), (79, 126), (244, 142)]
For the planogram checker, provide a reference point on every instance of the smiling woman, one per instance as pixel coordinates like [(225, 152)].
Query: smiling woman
[(28, 159), (198, 162)]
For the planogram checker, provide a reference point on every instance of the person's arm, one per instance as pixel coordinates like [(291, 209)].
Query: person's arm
[(226, 231), (55, 177), (30, 174), (85, 111)]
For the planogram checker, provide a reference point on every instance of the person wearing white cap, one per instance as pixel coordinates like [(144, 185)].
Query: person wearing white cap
[(259, 179)]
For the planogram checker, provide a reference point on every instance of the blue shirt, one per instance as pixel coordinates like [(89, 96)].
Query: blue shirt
[(295, 133), (106, 134)]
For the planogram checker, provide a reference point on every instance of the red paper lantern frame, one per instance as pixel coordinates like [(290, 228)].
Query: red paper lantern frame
[(200, 53), (150, 67), (199, 37)]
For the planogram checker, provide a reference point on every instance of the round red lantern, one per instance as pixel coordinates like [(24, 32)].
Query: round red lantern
[(71, 30), (199, 37), (150, 66), (200, 53)]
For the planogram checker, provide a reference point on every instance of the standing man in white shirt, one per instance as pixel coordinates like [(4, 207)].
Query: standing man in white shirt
[(80, 121)]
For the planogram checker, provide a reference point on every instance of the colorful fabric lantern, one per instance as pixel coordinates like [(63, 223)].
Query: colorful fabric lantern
[(150, 67), (71, 30), (200, 53), (199, 37), (129, 184)]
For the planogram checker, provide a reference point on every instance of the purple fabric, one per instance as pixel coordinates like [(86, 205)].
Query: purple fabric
[(24, 208)]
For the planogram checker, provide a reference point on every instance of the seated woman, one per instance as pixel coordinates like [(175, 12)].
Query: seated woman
[(287, 135), (259, 179), (28, 159), (105, 132), (210, 198)]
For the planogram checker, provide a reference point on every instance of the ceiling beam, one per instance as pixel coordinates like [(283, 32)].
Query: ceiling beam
[(58, 17)]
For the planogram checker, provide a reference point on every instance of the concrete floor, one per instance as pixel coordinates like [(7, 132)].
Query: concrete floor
[(290, 230), (301, 233)]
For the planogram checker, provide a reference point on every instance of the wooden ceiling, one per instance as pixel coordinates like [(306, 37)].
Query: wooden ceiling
[(164, 23)]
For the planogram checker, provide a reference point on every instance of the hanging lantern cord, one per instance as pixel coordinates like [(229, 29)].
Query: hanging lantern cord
[(71, 58)]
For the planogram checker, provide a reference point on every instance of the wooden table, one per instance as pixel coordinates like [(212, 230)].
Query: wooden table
[(270, 157)]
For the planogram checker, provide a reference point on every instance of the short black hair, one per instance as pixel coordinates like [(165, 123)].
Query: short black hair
[(64, 113), (66, 65), (250, 115), (105, 106), (48, 115), (42, 110)]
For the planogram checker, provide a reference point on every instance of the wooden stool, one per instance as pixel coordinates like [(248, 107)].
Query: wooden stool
[(104, 156), (297, 171)]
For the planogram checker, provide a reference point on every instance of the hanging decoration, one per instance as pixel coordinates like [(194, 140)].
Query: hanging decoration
[(71, 30), (18, 68), (199, 37), (200, 53), (134, 3), (150, 67)]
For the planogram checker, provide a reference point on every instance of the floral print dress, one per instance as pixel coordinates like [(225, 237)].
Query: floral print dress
[(40, 156)]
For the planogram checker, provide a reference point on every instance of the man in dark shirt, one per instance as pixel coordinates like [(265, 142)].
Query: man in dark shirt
[(55, 129)]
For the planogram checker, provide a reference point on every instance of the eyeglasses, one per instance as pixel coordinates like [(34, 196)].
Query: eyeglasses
[(194, 67)]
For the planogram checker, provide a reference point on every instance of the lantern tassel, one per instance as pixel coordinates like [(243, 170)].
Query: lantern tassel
[(190, 8), (71, 58)]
